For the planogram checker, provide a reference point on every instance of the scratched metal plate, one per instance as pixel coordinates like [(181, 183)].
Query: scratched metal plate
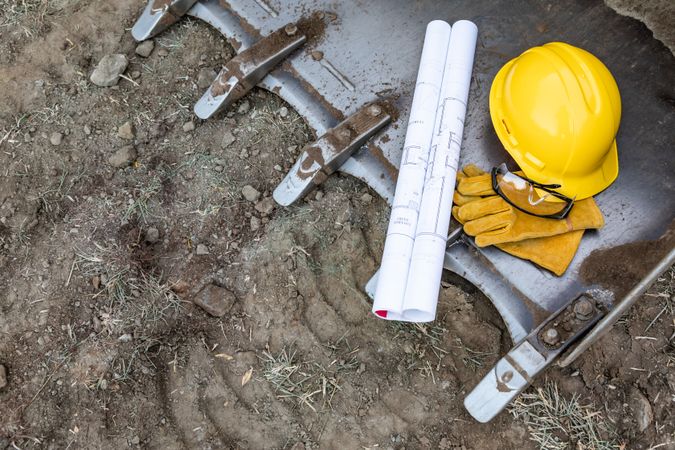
[(372, 49)]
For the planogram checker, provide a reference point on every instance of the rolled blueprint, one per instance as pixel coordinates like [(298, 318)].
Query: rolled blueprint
[(426, 264), (398, 245)]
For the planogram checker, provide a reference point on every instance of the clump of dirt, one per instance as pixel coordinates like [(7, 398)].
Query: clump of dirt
[(614, 267)]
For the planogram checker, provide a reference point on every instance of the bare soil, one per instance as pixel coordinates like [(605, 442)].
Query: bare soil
[(102, 344)]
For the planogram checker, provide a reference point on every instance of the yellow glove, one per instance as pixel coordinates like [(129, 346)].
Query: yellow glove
[(492, 220), (553, 252)]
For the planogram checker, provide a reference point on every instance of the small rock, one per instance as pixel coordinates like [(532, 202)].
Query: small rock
[(205, 77), (265, 206), (215, 300), (228, 139), (56, 138), (319, 195), (292, 148), (123, 157), (244, 153), (255, 223), (135, 440), (87, 130), (96, 282), (3, 376), (151, 235), (126, 131), (202, 249), (163, 52), (136, 74), (278, 168), (145, 48), (189, 174), (125, 338), (107, 72), (250, 193), (283, 112), (219, 169), (366, 198), (188, 126), (642, 409), (244, 107)]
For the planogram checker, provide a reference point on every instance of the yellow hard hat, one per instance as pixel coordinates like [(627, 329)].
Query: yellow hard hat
[(556, 109)]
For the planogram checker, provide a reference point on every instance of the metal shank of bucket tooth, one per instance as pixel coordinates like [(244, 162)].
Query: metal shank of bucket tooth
[(158, 16), (246, 69)]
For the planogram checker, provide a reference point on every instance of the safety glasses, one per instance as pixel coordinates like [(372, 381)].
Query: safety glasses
[(529, 196)]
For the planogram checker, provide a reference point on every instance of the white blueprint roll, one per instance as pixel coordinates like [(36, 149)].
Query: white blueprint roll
[(426, 265), (398, 245)]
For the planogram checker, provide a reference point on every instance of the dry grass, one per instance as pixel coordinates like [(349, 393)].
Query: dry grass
[(309, 383), (557, 423)]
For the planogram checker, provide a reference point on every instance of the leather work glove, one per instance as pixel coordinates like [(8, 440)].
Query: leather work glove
[(491, 220), (554, 253)]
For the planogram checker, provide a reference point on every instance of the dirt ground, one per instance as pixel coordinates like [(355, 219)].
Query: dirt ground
[(103, 346)]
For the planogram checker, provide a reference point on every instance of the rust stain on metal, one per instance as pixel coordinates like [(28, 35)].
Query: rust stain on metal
[(392, 171), (247, 27), (314, 155)]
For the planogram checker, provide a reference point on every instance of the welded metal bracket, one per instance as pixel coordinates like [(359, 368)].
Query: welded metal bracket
[(514, 372), (158, 16), (323, 157), (248, 68)]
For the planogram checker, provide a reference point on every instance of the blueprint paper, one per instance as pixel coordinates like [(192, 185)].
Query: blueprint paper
[(398, 245), (426, 265)]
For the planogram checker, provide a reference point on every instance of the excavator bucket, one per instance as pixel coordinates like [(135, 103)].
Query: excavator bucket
[(349, 69)]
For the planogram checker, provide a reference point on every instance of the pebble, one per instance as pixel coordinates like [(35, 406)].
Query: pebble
[(228, 139), (642, 410), (265, 206), (125, 338), (319, 195), (283, 112), (123, 157), (189, 174), (135, 440), (215, 300), (205, 77), (136, 74), (202, 249), (244, 107), (219, 169), (278, 168), (292, 148), (87, 130), (250, 193), (188, 126), (3, 376), (96, 282), (244, 153), (145, 48), (107, 72), (366, 198), (163, 52), (56, 138), (151, 235), (126, 131), (255, 223)]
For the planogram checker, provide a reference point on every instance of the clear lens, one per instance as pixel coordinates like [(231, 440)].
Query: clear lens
[(522, 194)]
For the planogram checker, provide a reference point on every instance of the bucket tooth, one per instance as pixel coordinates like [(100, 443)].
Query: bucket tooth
[(323, 157), (158, 16), (248, 68)]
